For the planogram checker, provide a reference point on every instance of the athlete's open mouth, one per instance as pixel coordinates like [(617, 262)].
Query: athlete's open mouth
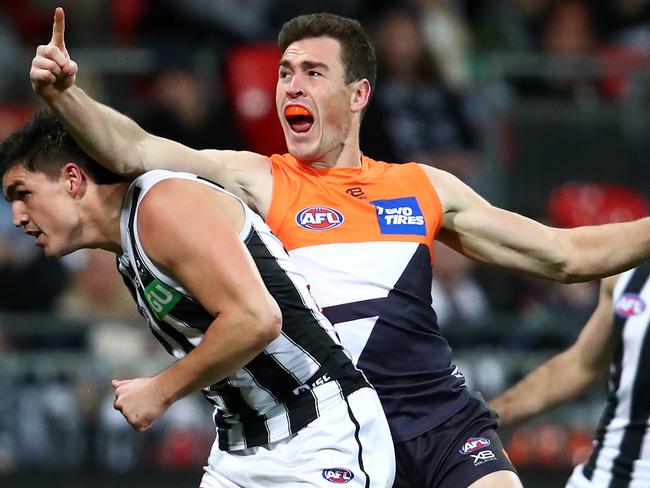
[(300, 119), (37, 234)]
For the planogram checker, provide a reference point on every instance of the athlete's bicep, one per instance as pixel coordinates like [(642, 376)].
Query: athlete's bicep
[(477, 229), (191, 231), (504, 239), (152, 152), (244, 173)]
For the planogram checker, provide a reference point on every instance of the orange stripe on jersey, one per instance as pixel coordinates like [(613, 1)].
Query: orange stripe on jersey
[(374, 203)]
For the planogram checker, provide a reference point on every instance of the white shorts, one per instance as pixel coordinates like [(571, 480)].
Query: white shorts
[(348, 444)]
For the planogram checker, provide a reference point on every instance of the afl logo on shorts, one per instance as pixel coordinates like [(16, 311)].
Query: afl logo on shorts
[(319, 218), (338, 475), (629, 304), (474, 444)]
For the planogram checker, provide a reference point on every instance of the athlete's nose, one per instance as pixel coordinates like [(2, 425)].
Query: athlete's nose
[(19, 215), (295, 88)]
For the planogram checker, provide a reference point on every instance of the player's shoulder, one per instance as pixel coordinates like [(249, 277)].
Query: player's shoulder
[(439, 175), (165, 192), (455, 195), (378, 164)]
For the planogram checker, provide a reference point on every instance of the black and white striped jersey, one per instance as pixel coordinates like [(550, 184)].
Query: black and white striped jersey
[(283, 388), (621, 455)]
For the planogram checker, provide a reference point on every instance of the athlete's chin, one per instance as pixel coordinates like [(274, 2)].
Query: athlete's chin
[(51, 250), (304, 152)]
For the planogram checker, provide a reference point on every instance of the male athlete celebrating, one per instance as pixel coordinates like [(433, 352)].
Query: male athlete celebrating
[(362, 231)]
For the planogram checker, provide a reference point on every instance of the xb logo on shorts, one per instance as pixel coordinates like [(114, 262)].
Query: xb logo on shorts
[(338, 475), (483, 457), (319, 218)]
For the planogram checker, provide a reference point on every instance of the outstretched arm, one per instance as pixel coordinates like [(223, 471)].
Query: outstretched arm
[(568, 374), (120, 144), (491, 235), (179, 222)]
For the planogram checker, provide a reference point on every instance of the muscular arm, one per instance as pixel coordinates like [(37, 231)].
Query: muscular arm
[(491, 235), (577, 367), (120, 144), (192, 232)]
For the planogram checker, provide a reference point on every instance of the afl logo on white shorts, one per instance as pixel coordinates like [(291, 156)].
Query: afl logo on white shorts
[(319, 218), (338, 475)]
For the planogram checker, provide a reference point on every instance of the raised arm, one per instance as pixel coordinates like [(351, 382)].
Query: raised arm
[(578, 367), (222, 277), (120, 144), (505, 239)]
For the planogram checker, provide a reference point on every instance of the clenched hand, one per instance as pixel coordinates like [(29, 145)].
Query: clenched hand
[(140, 401)]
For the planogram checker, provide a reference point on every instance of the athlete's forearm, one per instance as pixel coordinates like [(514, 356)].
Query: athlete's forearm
[(228, 344), (606, 250), (555, 382), (112, 139)]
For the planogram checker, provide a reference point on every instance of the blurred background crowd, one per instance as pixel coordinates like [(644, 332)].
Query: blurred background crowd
[(542, 106)]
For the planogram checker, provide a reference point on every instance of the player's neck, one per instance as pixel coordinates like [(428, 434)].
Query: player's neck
[(346, 156), (103, 222)]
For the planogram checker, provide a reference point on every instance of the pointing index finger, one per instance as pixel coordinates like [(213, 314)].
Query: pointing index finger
[(58, 29)]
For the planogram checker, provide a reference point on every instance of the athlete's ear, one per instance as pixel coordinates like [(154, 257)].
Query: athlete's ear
[(74, 179), (360, 95)]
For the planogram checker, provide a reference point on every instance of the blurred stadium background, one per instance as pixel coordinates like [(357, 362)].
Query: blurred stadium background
[(542, 106)]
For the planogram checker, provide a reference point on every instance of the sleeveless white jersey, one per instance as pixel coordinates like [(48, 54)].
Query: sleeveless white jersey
[(283, 388)]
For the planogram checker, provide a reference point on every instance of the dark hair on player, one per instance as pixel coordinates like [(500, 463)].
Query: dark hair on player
[(43, 145), (357, 52)]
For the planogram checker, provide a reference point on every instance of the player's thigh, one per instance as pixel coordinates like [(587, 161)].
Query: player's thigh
[(349, 444), (357, 444), (455, 454), (498, 479)]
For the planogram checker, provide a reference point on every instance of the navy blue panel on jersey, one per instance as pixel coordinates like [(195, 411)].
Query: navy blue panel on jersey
[(418, 385)]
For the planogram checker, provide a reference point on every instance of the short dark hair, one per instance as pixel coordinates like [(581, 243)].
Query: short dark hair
[(43, 145), (357, 52)]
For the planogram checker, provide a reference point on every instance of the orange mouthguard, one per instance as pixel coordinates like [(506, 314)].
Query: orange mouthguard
[(296, 110)]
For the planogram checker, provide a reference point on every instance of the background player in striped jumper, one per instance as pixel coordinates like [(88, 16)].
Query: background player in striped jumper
[(362, 231), (221, 295), (615, 338)]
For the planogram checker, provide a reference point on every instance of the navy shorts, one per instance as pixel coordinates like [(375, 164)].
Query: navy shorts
[(455, 454)]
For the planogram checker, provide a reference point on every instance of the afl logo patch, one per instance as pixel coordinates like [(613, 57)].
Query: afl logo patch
[(319, 218), (338, 475), (474, 444), (629, 304)]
